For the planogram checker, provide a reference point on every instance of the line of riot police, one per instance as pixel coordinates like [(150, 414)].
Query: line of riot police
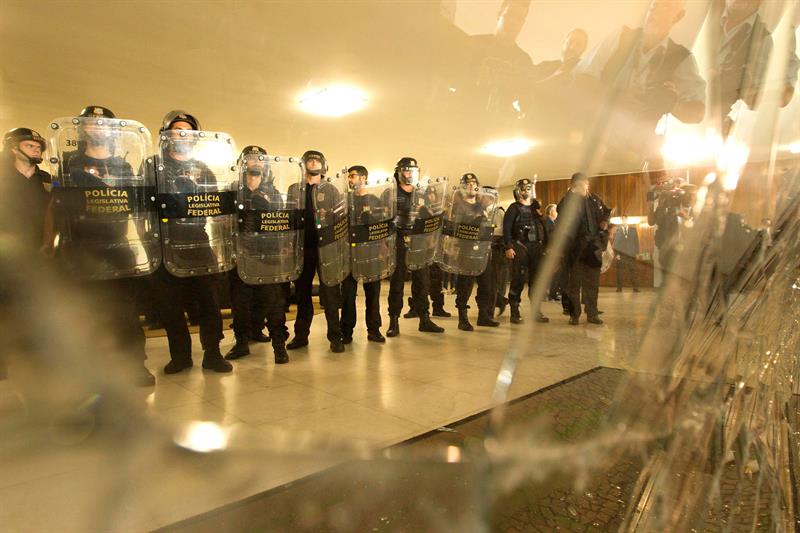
[(194, 217)]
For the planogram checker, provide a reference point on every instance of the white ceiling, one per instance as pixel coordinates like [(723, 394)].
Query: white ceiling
[(240, 65)]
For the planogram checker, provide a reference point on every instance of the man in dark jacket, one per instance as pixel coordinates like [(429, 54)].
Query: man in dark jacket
[(587, 237), (626, 248)]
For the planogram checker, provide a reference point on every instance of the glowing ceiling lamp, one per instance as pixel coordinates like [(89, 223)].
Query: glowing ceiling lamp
[(334, 101), (507, 147)]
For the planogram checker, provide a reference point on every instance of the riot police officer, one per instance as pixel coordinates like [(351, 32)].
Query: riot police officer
[(525, 239), (406, 173), (363, 205), (470, 210), (180, 172), (316, 167), (432, 197), (253, 303), (25, 182), (93, 244)]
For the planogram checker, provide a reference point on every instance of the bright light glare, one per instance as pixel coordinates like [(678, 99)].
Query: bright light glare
[(731, 160), (794, 147), (632, 221), (334, 101), (203, 437), (691, 149), (507, 147)]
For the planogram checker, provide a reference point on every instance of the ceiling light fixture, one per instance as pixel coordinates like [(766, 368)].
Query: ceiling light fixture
[(507, 147), (334, 101)]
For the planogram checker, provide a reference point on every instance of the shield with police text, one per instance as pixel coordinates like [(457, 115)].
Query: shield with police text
[(372, 207), (269, 244), (422, 240), (197, 189), (467, 230), (105, 217), (329, 198)]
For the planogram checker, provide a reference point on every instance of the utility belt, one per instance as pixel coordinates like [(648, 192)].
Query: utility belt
[(528, 234)]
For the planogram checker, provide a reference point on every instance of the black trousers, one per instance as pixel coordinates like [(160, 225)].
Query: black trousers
[(437, 277), (305, 308), (116, 301), (253, 304), (487, 289), (583, 284), (628, 264), (524, 268), (372, 294), (205, 291), (420, 284), (500, 275)]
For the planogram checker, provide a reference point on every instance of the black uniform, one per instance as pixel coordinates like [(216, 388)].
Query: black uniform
[(28, 198), (24, 202), (369, 209), (205, 290), (116, 296), (420, 279), (474, 214), (525, 233), (583, 253), (252, 304), (331, 296), (499, 264)]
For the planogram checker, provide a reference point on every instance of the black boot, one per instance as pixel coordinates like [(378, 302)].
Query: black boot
[(463, 321), (177, 364), (501, 303), (394, 326), (374, 335), (281, 355), (213, 360), (412, 313), (259, 336), (485, 319), (438, 310), (516, 318), (297, 343), (240, 349), (427, 325), (337, 346)]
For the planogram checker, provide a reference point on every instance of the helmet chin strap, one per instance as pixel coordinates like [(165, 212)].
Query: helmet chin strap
[(31, 160)]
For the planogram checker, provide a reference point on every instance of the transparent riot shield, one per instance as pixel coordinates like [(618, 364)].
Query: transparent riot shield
[(105, 215), (372, 232), (422, 241), (467, 231), (269, 244), (197, 185), (330, 207)]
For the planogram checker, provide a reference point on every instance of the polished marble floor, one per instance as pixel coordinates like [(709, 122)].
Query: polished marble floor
[(285, 422)]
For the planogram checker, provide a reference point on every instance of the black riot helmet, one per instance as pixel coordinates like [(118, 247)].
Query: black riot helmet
[(95, 132), (96, 111), (318, 156), (177, 115), (253, 150), (410, 165), (469, 177), (523, 189), (13, 137), (258, 163)]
